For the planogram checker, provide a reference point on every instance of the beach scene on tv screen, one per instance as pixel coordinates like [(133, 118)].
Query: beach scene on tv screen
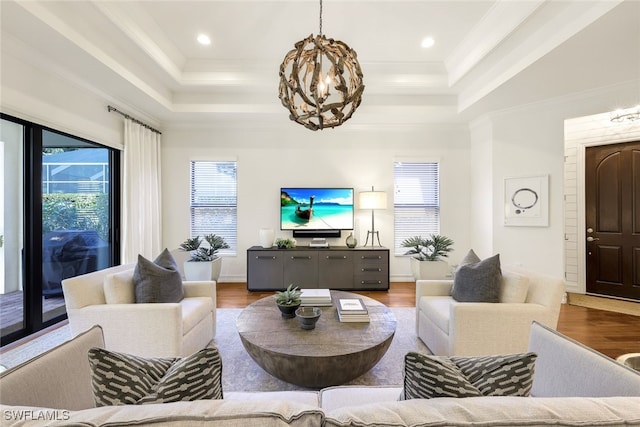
[(316, 208)]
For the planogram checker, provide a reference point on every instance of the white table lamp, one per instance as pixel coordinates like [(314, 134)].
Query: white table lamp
[(372, 200)]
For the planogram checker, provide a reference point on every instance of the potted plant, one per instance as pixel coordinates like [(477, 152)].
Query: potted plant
[(285, 243), (204, 263), (288, 301), (427, 262)]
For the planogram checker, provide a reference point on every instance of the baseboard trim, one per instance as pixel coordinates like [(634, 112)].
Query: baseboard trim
[(603, 303)]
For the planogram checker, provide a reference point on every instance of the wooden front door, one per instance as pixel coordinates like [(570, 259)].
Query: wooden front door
[(612, 237)]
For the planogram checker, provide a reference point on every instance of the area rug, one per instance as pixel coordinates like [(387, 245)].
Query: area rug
[(239, 371)]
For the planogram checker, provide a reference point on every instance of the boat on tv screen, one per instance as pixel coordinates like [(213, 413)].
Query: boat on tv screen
[(316, 208)]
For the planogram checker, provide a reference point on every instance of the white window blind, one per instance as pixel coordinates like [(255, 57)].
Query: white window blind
[(214, 201), (416, 201)]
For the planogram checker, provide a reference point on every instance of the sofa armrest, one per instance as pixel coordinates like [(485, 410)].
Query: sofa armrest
[(59, 378), (481, 328), (150, 320), (433, 288), (567, 368), (200, 289), (430, 288)]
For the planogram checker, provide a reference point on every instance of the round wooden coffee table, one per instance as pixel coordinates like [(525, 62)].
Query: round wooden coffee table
[(331, 354)]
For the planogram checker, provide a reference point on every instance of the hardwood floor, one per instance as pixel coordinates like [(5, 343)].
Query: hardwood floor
[(610, 333)]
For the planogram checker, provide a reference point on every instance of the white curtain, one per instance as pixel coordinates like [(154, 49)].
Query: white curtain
[(141, 222)]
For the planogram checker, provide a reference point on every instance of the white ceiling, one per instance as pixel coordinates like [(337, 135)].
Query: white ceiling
[(488, 55)]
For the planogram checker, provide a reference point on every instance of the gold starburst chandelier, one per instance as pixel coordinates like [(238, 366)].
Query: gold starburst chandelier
[(321, 82)]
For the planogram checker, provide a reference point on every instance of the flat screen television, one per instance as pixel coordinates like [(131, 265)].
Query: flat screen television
[(316, 212)]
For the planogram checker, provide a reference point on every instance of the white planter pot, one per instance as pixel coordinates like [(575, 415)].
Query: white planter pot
[(267, 237), (202, 270), (216, 267), (197, 271), (430, 270)]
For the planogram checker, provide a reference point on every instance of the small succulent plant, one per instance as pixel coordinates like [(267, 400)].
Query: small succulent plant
[(289, 297), (285, 243)]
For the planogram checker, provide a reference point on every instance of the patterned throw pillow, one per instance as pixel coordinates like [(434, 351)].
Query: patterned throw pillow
[(427, 376), (123, 379), (159, 280)]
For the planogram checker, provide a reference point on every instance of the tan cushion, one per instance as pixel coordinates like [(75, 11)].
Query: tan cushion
[(119, 288), (437, 309), (491, 411), (221, 413), (194, 310), (514, 288)]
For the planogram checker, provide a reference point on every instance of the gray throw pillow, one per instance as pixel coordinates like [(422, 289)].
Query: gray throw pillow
[(158, 281), (427, 376), (470, 258), (479, 282), (124, 379)]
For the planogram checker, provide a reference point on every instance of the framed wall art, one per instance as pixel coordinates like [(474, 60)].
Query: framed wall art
[(526, 201)]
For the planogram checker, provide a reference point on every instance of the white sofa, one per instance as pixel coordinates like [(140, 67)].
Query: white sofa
[(572, 386), (452, 328), (106, 298)]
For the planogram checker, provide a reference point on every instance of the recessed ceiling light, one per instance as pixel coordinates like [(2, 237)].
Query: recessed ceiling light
[(428, 42), (204, 39)]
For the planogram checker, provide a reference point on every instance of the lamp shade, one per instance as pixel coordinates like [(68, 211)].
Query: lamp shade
[(372, 200)]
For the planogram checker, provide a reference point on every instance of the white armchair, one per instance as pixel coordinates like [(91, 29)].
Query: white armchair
[(452, 328), (149, 330)]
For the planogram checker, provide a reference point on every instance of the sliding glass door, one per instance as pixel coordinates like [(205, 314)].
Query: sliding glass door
[(62, 221), (12, 307)]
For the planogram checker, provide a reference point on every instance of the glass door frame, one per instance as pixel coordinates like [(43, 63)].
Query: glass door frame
[(32, 256)]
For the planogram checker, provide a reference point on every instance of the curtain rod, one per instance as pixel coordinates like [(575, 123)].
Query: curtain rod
[(126, 116)]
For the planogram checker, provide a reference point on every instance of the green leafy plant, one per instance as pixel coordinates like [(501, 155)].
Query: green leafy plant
[(289, 297), (432, 248), (285, 243), (70, 211), (204, 252)]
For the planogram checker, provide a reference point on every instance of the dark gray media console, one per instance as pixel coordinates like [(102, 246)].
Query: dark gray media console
[(336, 267)]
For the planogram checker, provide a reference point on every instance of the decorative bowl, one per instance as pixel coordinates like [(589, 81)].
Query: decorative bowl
[(288, 311), (308, 316)]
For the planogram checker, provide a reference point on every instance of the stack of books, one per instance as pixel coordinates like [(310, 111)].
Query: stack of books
[(315, 297), (352, 310)]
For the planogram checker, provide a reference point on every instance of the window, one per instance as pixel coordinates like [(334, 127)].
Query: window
[(214, 201), (416, 201)]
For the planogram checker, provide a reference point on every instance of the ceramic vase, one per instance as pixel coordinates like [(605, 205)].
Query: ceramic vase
[(267, 236), (351, 241)]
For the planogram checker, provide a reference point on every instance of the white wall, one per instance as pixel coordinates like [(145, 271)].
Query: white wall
[(526, 144), (52, 100), (272, 158), (482, 187), (526, 141)]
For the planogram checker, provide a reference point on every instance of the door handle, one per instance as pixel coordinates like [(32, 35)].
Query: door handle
[(591, 239)]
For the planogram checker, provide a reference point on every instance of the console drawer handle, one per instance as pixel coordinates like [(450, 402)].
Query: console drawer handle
[(370, 282), (265, 257), (371, 257), (336, 257), (371, 269), (300, 257)]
